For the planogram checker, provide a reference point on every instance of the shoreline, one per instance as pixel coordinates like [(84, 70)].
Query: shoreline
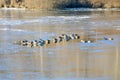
[(69, 9)]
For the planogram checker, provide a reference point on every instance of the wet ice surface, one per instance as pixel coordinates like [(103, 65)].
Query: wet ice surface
[(62, 61)]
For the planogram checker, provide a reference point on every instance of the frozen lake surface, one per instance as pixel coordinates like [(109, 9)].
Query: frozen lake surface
[(62, 61)]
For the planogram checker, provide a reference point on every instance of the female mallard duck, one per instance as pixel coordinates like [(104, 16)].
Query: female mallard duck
[(108, 38)]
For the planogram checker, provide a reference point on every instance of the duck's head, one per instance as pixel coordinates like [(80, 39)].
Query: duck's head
[(77, 36), (64, 36)]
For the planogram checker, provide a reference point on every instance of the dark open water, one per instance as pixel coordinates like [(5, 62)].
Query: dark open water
[(62, 61)]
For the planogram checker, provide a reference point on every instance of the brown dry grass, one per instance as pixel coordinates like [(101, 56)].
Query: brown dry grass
[(52, 4)]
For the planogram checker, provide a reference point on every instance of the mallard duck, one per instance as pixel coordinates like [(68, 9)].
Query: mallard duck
[(77, 36), (74, 36), (55, 40), (33, 43), (23, 42), (28, 44), (108, 38), (86, 41), (47, 41), (43, 42), (66, 37), (89, 41), (83, 41), (63, 36), (60, 38)]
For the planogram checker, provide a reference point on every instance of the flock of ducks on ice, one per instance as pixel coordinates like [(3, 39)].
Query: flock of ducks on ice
[(63, 37)]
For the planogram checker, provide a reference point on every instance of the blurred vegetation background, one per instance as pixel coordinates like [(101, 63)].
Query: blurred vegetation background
[(60, 4)]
